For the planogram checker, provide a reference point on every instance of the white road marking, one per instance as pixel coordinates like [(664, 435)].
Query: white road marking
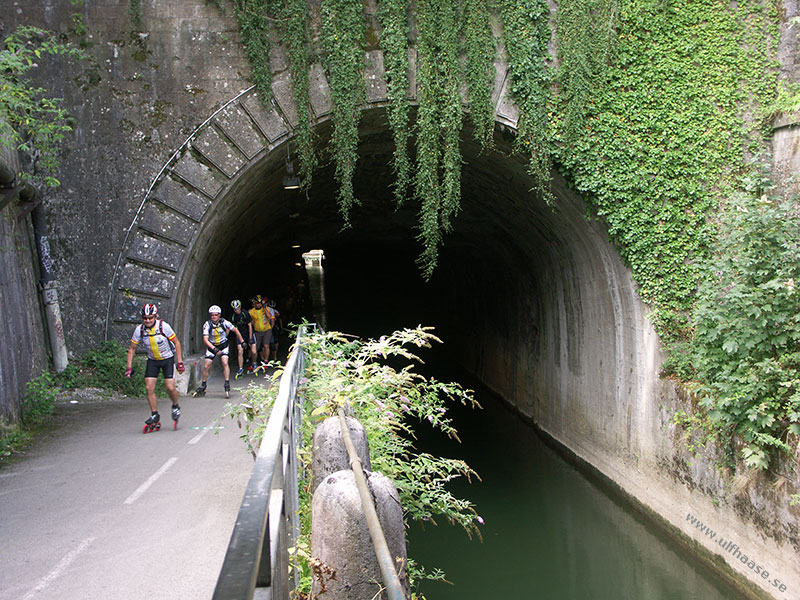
[(143, 488), (197, 438), (65, 562)]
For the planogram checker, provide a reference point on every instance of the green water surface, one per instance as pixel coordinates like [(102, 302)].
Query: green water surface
[(549, 532)]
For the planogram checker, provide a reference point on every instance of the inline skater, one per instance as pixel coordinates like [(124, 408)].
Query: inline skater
[(262, 330), (159, 340), (215, 338), (274, 317), (244, 323)]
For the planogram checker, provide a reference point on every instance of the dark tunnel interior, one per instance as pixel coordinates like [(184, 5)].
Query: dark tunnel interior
[(373, 281)]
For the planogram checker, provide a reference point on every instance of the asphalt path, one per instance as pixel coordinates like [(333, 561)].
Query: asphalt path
[(96, 509)]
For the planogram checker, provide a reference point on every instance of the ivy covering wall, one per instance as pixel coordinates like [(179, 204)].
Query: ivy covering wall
[(649, 108)]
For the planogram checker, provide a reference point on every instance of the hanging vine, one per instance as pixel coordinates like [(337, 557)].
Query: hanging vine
[(586, 39), (437, 183), (293, 25), (526, 32), (343, 40), (478, 50), (251, 16), (393, 19), (644, 114)]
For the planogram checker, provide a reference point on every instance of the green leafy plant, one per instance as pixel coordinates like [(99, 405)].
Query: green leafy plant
[(375, 379), (252, 18), (478, 49), (38, 404), (393, 18), (104, 368), (659, 133), (526, 33), (12, 439), (437, 183), (292, 18), (30, 120), (344, 42), (40, 399), (786, 101), (135, 13), (746, 348)]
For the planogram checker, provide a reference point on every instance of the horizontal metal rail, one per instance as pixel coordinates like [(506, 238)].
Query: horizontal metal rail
[(268, 524)]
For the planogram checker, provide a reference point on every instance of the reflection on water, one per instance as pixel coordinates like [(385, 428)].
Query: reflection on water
[(549, 532)]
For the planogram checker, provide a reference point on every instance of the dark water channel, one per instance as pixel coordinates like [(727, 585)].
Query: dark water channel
[(550, 532)]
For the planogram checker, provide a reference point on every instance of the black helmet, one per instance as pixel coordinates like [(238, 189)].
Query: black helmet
[(149, 310)]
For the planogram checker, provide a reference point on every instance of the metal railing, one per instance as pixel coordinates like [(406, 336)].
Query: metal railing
[(267, 524)]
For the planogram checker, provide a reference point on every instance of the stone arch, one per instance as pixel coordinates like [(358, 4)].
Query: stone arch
[(206, 168), (575, 323)]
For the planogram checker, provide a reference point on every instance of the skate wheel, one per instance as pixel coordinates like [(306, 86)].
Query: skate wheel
[(227, 394), (174, 424), (144, 429), (158, 426)]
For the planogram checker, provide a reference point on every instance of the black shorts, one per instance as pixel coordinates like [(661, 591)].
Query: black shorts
[(154, 366), (222, 348)]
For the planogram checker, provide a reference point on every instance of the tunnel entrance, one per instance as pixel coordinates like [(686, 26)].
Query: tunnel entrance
[(531, 299), (506, 252)]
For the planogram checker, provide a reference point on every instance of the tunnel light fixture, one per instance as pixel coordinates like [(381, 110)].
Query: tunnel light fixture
[(290, 181)]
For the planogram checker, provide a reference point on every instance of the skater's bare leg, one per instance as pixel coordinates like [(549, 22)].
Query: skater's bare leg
[(241, 356), (226, 370), (206, 367), (172, 391), (150, 387)]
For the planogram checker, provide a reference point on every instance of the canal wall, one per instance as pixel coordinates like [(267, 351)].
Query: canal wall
[(572, 350)]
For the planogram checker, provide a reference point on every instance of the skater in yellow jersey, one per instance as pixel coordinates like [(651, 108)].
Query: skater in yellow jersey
[(262, 329), (159, 341)]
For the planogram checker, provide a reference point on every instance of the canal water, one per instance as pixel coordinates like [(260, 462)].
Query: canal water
[(550, 532)]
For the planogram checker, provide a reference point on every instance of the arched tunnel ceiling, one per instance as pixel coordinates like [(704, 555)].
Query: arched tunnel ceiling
[(502, 226), (506, 250)]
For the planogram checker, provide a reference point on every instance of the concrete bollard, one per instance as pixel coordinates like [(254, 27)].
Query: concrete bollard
[(340, 539), (330, 454)]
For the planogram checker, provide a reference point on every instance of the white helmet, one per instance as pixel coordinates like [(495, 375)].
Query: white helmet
[(236, 304), (214, 309)]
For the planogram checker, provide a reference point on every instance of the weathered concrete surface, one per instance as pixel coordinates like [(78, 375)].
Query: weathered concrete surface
[(786, 128), (533, 298), (329, 452), (26, 345), (341, 541)]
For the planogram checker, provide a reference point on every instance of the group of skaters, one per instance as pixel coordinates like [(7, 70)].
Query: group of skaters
[(255, 333)]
